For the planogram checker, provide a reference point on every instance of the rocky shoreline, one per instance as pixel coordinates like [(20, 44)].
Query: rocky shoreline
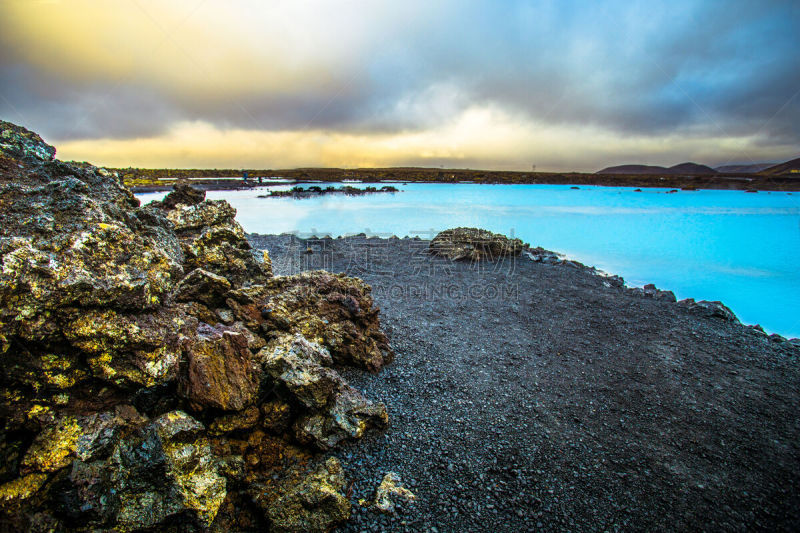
[(534, 392)]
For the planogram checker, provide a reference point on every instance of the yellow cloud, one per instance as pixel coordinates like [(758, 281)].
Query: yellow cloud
[(481, 137), (192, 49)]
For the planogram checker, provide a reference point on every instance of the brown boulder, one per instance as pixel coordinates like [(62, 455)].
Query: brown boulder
[(220, 371)]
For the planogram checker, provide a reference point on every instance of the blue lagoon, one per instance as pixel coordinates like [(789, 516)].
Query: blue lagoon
[(742, 249)]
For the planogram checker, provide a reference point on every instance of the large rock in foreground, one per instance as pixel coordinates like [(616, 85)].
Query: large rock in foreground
[(154, 375), (474, 244)]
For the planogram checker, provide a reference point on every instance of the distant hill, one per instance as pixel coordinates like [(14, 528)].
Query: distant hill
[(635, 169), (692, 168), (683, 168), (789, 167), (743, 169)]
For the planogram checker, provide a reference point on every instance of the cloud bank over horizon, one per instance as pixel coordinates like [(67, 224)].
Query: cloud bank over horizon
[(564, 85)]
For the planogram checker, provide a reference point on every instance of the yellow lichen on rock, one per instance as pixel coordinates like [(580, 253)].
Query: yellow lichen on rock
[(21, 488), (266, 263), (59, 371), (201, 487), (191, 467), (206, 214), (143, 349), (276, 416), (313, 503), (36, 411), (234, 422), (53, 447)]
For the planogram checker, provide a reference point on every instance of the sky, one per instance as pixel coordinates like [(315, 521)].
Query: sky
[(562, 85)]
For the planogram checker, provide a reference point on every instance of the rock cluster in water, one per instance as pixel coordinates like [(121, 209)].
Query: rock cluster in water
[(314, 190), (474, 244), (154, 374)]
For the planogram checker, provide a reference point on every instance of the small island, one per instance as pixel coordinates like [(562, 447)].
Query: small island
[(315, 190)]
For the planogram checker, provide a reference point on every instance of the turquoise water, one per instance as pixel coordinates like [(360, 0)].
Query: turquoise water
[(740, 248)]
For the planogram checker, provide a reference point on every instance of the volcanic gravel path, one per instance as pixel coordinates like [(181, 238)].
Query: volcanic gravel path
[(532, 396)]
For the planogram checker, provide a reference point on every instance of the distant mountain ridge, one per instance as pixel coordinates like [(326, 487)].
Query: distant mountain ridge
[(696, 169), (682, 168), (692, 168), (789, 167), (634, 169), (744, 169)]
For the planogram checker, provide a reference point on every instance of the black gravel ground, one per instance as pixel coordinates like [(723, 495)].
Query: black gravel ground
[(532, 396)]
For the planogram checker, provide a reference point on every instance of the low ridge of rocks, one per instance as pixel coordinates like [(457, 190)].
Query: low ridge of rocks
[(474, 244), (155, 375)]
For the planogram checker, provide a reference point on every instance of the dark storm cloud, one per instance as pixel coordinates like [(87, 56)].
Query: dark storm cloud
[(727, 66), (61, 109)]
